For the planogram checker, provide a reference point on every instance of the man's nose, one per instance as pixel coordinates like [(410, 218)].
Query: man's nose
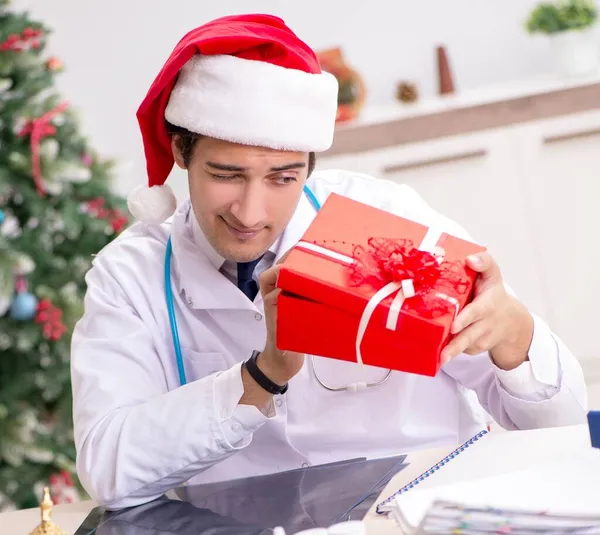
[(250, 209)]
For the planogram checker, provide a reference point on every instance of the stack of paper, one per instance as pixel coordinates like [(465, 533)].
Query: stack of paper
[(445, 518), (548, 498)]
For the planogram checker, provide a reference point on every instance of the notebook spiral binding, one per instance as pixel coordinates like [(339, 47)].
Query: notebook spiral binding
[(431, 471)]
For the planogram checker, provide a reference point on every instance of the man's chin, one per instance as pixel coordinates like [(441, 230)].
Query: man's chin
[(245, 251)]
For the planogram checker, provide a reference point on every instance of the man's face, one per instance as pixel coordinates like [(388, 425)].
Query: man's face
[(243, 197)]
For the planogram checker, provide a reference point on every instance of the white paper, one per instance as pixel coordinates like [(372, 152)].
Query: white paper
[(567, 486)]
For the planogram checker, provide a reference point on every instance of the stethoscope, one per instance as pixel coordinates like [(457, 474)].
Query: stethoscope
[(352, 387)]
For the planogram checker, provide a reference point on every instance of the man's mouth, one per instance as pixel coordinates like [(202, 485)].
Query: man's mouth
[(242, 233)]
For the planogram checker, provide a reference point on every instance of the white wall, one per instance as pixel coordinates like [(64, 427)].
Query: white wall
[(112, 50)]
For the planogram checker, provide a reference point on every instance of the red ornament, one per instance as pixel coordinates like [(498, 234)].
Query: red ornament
[(50, 318), (116, 218), (96, 208), (62, 487), (54, 64), (28, 38), (87, 160), (28, 33), (118, 221)]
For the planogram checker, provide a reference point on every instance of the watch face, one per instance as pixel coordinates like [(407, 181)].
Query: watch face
[(316, 496)]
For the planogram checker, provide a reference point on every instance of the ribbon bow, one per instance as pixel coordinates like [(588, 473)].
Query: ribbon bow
[(423, 275), (388, 260), (38, 129)]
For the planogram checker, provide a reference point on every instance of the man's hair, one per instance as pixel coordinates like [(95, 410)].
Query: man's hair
[(186, 141)]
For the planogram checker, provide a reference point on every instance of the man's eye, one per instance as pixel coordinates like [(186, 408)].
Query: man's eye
[(224, 177), (285, 179)]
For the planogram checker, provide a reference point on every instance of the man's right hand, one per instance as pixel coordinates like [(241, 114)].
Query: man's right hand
[(279, 366)]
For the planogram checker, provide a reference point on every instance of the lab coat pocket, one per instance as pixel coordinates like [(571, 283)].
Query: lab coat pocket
[(200, 364)]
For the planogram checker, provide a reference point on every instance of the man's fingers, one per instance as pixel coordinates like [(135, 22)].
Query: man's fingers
[(270, 300), (478, 309), (268, 280), (485, 265), (467, 341)]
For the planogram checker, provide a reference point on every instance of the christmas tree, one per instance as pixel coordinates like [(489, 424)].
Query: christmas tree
[(56, 212)]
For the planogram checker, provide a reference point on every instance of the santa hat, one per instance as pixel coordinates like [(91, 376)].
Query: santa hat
[(244, 78)]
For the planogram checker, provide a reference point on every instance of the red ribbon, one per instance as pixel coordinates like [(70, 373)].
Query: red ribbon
[(385, 260), (38, 129)]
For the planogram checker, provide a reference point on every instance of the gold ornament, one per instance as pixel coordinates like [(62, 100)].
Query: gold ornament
[(47, 527)]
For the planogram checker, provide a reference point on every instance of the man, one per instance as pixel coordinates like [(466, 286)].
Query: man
[(180, 379)]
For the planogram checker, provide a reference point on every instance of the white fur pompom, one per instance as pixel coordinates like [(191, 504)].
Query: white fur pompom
[(152, 205)]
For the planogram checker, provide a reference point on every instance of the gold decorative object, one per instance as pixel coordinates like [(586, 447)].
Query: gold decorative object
[(47, 527), (407, 92)]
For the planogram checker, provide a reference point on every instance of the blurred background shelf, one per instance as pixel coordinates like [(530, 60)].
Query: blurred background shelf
[(520, 173)]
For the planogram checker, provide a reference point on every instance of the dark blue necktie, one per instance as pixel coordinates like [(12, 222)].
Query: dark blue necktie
[(245, 281)]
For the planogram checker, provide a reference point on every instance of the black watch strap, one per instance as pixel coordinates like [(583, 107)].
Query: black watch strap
[(261, 378)]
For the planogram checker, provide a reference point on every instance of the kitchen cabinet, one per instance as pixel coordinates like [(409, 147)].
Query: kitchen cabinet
[(561, 175)]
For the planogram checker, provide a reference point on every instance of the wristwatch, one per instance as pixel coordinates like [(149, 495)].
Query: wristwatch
[(261, 378)]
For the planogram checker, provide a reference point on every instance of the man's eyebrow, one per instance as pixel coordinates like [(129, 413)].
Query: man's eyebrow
[(225, 166), (289, 166), (239, 169)]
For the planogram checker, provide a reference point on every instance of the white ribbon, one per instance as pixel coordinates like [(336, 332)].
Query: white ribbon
[(403, 289)]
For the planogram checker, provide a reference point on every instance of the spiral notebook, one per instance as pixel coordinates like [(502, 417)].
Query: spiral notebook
[(388, 504)]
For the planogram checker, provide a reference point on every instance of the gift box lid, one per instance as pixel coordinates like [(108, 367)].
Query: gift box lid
[(318, 268)]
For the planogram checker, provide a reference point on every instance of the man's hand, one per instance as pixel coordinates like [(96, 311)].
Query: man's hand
[(494, 321), (279, 366)]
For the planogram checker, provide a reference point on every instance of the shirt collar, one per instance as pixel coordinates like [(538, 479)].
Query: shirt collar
[(196, 265), (202, 243)]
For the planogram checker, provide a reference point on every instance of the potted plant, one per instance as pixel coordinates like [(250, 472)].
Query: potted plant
[(570, 24)]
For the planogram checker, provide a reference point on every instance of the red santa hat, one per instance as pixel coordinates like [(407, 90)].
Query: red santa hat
[(245, 78)]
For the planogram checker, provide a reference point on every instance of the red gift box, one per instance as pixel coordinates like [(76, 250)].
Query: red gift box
[(364, 285)]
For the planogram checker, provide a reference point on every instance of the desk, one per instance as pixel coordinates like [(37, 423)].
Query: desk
[(497, 453)]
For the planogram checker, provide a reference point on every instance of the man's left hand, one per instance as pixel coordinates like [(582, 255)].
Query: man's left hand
[(494, 321)]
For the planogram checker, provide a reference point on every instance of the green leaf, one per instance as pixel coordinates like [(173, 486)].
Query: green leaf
[(560, 16)]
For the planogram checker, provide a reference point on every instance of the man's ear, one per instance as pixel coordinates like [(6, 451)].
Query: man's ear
[(177, 155)]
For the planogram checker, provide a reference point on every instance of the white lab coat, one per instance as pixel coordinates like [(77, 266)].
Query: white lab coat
[(139, 434)]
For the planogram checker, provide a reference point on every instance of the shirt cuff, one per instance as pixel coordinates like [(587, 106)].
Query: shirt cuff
[(538, 378), (236, 422)]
